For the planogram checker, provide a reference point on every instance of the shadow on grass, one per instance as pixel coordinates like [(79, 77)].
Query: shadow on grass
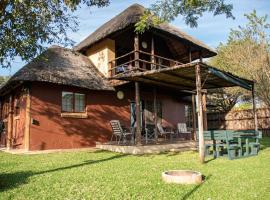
[(210, 159), (99, 151), (13, 180), (187, 195), (265, 143)]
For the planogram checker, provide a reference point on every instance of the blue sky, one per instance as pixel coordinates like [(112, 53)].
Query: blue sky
[(211, 30)]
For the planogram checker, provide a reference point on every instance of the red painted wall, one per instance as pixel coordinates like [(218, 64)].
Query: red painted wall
[(55, 132)]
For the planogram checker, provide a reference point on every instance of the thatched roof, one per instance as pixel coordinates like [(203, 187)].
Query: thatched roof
[(129, 17), (62, 66)]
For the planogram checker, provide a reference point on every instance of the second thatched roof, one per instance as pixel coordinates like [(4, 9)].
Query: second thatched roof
[(131, 16)]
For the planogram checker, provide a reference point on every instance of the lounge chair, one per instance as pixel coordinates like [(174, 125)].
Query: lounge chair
[(118, 132), (164, 133), (182, 131)]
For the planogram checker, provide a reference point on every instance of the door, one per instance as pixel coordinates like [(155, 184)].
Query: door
[(18, 135)]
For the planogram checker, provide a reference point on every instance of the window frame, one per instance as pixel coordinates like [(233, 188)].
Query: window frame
[(73, 102)]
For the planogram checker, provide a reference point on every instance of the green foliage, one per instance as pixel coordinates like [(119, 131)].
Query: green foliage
[(27, 26), (146, 21), (223, 99), (190, 10), (107, 175), (243, 106), (247, 54), (3, 79)]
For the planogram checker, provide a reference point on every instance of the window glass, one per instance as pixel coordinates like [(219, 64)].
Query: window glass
[(67, 101), (79, 102)]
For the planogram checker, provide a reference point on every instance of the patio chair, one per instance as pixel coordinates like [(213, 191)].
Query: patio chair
[(163, 132), (118, 132), (149, 135), (182, 131)]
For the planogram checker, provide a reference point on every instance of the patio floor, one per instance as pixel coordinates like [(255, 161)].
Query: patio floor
[(178, 146)]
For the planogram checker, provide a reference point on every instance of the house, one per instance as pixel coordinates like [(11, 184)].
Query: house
[(65, 98)]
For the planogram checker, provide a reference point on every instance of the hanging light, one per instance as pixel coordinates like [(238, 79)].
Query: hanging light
[(144, 45)]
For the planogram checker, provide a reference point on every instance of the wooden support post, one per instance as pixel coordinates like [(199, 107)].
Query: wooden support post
[(189, 56), (10, 123), (201, 58), (136, 51), (153, 66), (27, 121), (194, 117), (200, 113), (138, 115), (205, 127), (254, 109), (155, 113)]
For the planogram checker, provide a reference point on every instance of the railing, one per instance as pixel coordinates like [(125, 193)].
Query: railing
[(145, 61)]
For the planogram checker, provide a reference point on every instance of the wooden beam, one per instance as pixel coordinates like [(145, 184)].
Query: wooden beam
[(136, 50), (178, 76), (153, 60), (204, 111), (138, 114), (194, 116), (189, 55), (200, 113), (254, 109), (201, 58), (190, 79), (27, 121), (155, 113), (165, 83)]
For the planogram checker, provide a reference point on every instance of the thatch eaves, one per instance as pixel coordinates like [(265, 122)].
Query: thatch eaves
[(131, 16), (61, 66)]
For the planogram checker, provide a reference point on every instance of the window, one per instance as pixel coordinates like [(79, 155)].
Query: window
[(79, 102), (73, 102)]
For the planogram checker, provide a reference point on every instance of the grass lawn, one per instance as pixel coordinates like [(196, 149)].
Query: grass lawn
[(106, 175)]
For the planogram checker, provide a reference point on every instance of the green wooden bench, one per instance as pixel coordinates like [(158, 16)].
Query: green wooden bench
[(220, 140), (254, 145)]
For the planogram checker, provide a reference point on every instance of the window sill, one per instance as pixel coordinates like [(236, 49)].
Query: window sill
[(75, 115)]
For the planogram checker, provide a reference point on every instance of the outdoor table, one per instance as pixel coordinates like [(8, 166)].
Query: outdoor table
[(133, 131), (246, 137)]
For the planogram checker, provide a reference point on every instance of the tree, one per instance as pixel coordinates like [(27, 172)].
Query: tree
[(223, 99), (26, 26), (190, 10), (247, 54)]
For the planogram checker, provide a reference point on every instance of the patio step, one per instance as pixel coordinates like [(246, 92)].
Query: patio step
[(150, 149)]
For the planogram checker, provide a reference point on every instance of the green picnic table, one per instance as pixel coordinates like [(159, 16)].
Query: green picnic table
[(233, 142), (245, 137)]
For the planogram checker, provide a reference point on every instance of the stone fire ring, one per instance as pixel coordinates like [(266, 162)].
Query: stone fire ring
[(182, 177)]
